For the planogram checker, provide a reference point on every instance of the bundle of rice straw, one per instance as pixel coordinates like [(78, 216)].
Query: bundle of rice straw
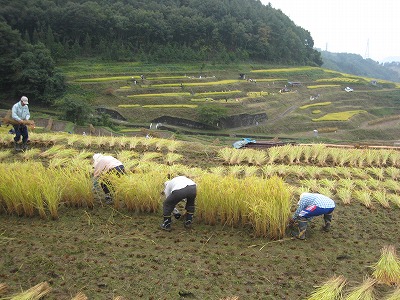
[(119, 298), (387, 269), (3, 288), (34, 293), (364, 292), (330, 290), (10, 121), (395, 295), (80, 296)]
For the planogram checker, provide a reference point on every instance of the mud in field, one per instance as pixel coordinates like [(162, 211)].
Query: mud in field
[(106, 253)]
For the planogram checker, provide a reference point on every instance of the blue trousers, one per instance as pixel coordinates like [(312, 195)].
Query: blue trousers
[(313, 211), (21, 130)]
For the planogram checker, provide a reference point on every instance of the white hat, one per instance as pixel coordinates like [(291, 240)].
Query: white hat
[(97, 156), (24, 100)]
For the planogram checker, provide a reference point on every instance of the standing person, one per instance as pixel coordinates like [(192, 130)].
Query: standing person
[(311, 205), (20, 113), (176, 190), (106, 164)]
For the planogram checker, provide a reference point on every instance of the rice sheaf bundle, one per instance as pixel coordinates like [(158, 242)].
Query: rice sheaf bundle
[(364, 292), (330, 290), (34, 293), (3, 288), (80, 296), (394, 295), (387, 269)]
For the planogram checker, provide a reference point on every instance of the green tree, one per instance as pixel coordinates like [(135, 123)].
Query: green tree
[(211, 114), (75, 108)]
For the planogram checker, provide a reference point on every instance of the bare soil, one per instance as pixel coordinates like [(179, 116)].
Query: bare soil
[(105, 253)]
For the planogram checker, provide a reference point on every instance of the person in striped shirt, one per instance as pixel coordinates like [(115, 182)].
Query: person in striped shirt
[(311, 205)]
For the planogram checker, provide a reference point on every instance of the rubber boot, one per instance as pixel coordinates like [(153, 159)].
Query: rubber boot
[(300, 232), (176, 214), (188, 220), (24, 146), (16, 146), (327, 220), (166, 225), (109, 199)]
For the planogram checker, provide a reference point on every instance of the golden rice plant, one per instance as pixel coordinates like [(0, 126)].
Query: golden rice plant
[(125, 155), (134, 142), (345, 195), (73, 139), (284, 152), (378, 173), (238, 156), (314, 172), (346, 183), (316, 150), (149, 156), (361, 184), (392, 185), (307, 153), (80, 296), (268, 206), (269, 170), (364, 197), (387, 269), (31, 153), (330, 290), (294, 154), (259, 157), (52, 151), (171, 157), (58, 162), (250, 171), (345, 158), (323, 157), (330, 172), (222, 199), (344, 172), (395, 295), (298, 171), (311, 184), (3, 288), (273, 155), (395, 199), (225, 154), (329, 184), (393, 173), (394, 158), (372, 157), (373, 184), (34, 293), (5, 154), (19, 189), (236, 171), (381, 197), (363, 292), (173, 145), (140, 192), (161, 144), (52, 186), (221, 171), (384, 157), (79, 185)]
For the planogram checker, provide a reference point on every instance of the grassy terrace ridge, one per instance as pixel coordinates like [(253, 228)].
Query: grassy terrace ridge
[(265, 89)]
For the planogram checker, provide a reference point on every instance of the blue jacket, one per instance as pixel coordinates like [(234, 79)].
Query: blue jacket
[(20, 112)]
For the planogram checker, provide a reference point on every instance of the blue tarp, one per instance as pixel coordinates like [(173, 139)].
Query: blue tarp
[(243, 142)]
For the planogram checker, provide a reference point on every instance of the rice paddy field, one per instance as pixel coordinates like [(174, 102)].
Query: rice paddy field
[(59, 240)]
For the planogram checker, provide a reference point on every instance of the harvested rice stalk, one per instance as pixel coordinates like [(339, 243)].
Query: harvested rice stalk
[(119, 298), (3, 288), (80, 296), (330, 290), (395, 295), (34, 293), (387, 269), (364, 292)]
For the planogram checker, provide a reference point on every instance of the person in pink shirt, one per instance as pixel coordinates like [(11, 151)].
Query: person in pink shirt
[(106, 164)]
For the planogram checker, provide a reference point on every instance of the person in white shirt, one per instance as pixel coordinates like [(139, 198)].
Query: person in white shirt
[(176, 190), (311, 205), (20, 113), (103, 164)]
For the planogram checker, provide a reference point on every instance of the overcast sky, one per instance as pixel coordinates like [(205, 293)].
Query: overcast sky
[(365, 27)]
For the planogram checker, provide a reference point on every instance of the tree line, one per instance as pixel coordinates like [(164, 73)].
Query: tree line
[(162, 31)]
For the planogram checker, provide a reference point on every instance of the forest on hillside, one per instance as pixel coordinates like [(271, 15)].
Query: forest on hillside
[(161, 30)]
